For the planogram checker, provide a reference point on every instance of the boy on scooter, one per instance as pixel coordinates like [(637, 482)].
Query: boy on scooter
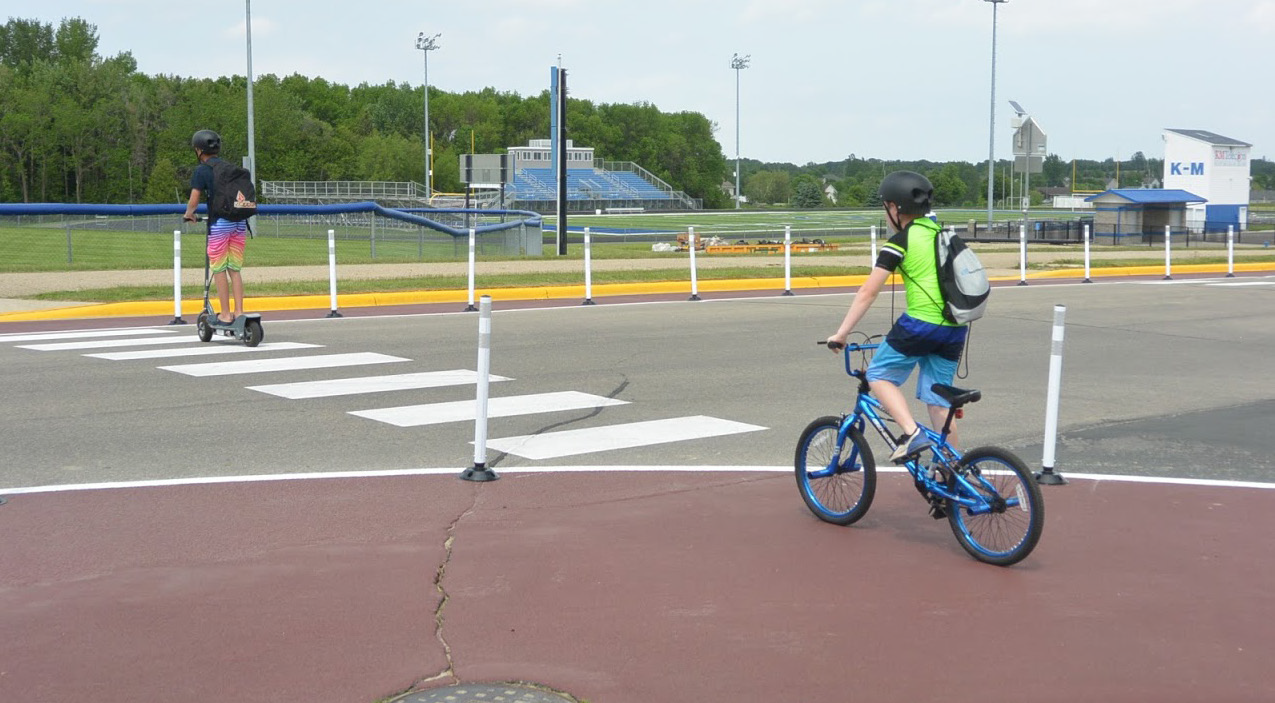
[(225, 237)]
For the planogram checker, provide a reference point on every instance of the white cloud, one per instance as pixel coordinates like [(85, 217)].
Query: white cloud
[(261, 27), (1262, 17)]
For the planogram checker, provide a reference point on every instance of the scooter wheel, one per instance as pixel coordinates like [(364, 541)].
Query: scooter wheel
[(201, 326), (253, 334)]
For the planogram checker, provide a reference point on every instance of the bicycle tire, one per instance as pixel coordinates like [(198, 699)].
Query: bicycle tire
[(843, 497), (1006, 536)]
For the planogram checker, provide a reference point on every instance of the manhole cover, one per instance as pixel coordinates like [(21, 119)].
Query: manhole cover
[(484, 693)]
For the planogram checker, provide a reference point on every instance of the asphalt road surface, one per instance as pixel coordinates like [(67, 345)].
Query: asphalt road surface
[(1159, 378)]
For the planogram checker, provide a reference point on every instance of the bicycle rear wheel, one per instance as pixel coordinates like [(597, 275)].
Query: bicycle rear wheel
[(837, 487), (1010, 529)]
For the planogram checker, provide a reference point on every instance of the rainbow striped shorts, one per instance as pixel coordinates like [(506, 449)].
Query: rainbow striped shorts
[(225, 245)]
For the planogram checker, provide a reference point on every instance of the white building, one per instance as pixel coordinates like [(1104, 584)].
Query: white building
[(1213, 167)]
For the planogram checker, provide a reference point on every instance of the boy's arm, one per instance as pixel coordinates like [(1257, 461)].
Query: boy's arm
[(863, 300), (191, 204)]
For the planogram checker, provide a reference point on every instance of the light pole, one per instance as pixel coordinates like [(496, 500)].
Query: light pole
[(738, 63), (425, 45), (252, 143), (991, 124)]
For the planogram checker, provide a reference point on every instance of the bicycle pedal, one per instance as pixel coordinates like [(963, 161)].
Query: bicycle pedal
[(937, 512)]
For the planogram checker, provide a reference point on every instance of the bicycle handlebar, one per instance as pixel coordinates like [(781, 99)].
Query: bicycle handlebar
[(847, 349)]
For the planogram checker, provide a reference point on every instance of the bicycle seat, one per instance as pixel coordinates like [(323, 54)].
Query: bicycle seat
[(956, 396)]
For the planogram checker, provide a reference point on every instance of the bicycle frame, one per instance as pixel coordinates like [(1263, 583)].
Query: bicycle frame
[(868, 411)]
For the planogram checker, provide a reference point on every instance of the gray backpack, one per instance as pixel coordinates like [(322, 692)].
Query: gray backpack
[(962, 279)]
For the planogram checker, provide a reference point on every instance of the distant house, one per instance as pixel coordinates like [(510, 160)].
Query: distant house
[(830, 192)]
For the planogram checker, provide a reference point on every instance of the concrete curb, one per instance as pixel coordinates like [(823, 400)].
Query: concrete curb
[(361, 300)]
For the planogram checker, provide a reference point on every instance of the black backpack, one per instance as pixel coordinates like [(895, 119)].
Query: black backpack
[(234, 197)]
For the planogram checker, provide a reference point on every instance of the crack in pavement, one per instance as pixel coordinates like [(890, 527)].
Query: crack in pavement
[(439, 618), (596, 411)]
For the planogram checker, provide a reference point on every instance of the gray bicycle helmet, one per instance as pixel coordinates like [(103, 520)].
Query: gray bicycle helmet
[(206, 141), (912, 192)]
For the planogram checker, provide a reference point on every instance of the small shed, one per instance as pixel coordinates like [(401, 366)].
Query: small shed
[(1138, 211)]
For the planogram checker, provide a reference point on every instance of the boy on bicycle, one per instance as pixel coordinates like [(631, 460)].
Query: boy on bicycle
[(921, 336)]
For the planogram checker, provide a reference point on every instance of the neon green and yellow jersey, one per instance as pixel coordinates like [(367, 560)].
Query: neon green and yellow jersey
[(911, 252)]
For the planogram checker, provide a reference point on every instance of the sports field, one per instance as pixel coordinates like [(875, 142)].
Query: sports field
[(767, 222)]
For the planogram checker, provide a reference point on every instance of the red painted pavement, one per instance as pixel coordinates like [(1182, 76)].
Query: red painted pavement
[(627, 587)]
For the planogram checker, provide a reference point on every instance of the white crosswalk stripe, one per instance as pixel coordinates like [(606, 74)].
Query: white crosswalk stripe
[(292, 363), (109, 343), (373, 384), (181, 343), (202, 350), (508, 406), (79, 334), (551, 445)]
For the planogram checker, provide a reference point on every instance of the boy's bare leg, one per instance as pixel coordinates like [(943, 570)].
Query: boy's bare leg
[(938, 415), (223, 297), (236, 283), (892, 399)]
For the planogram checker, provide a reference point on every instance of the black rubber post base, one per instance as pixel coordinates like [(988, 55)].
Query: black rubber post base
[(1049, 477), (334, 313), (1087, 280), (1022, 283), (1230, 275), (479, 472), (470, 308), (1167, 278), (694, 297), (177, 321), (588, 301), (788, 292)]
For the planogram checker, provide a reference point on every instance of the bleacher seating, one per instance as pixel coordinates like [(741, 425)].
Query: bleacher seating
[(585, 184)]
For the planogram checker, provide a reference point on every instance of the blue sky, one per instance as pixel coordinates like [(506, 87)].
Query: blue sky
[(892, 79)]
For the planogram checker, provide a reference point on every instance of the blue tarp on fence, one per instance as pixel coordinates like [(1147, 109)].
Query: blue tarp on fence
[(530, 219)]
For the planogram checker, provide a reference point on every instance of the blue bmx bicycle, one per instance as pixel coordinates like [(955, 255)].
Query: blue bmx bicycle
[(989, 497)]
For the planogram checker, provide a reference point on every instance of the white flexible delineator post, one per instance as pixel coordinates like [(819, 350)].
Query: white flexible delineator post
[(872, 235), (588, 270), (1168, 256), (332, 272), (1086, 234), (1230, 251), (177, 278), (479, 471), (472, 237), (1047, 474), (690, 238), (787, 259)]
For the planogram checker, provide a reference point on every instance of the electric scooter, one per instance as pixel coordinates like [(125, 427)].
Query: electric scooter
[(245, 327)]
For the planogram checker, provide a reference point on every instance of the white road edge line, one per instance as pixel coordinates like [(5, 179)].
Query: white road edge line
[(455, 471)]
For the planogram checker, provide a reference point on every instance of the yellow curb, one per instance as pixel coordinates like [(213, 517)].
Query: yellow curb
[(361, 300)]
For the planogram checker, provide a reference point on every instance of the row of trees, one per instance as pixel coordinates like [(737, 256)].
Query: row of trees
[(855, 180), (77, 127)]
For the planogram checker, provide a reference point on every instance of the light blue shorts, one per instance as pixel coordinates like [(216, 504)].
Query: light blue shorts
[(889, 365)]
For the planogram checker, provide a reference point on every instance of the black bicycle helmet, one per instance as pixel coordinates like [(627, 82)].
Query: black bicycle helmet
[(912, 192), (206, 141)]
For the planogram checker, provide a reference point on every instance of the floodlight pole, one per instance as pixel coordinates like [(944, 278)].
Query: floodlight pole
[(738, 63), (991, 126), (252, 143), (425, 45)]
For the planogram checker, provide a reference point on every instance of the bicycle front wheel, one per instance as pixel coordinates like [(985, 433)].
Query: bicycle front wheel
[(1007, 526), (837, 486)]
